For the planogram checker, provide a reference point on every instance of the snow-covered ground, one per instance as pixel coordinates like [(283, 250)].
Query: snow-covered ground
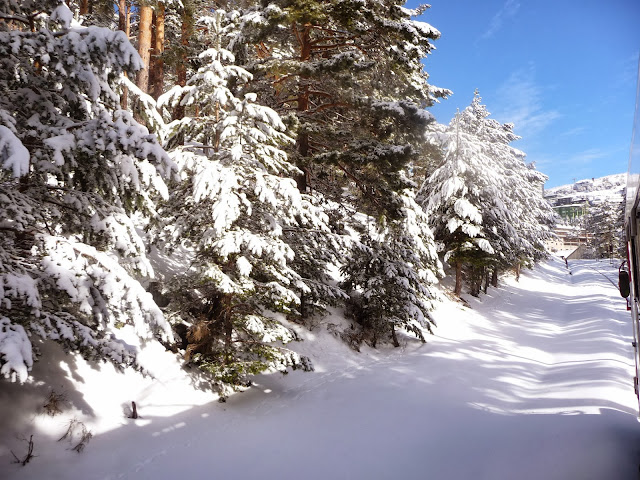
[(596, 190), (533, 381)]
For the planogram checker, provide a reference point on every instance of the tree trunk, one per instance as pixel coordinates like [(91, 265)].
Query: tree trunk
[(181, 68), (124, 25), (517, 272), (84, 7), (225, 310), (394, 337), (458, 288), (476, 282), (494, 277), (123, 16), (302, 142), (157, 85), (486, 279), (144, 46), (303, 306)]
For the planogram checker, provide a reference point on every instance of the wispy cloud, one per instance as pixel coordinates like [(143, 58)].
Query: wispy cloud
[(627, 71), (521, 103), (508, 10), (573, 131), (586, 157)]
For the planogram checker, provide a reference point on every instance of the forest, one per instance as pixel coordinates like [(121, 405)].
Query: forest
[(193, 172)]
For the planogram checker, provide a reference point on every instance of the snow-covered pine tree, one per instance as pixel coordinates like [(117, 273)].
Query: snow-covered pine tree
[(519, 225), (231, 210), (347, 77), (77, 175), (512, 215), (456, 194), (390, 275), (603, 223)]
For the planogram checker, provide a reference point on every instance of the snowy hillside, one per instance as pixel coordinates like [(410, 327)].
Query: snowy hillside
[(533, 381), (594, 190)]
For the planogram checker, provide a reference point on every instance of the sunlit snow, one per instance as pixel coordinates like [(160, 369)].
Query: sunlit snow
[(533, 380)]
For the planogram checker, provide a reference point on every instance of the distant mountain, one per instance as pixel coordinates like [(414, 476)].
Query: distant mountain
[(591, 191)]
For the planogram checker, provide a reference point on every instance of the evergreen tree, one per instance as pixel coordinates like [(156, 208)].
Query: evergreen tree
[(347, 77), (231, 210), (520, 220), (454, 197), (485, 203), (603, 223), (78, 177), (390, 276)]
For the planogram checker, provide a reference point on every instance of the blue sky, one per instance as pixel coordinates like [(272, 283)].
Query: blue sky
[(563, 71)]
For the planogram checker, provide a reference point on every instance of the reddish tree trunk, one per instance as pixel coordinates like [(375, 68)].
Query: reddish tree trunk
[(181, 68), (302, 142), (124, 25), (144, 46), (157, 84)]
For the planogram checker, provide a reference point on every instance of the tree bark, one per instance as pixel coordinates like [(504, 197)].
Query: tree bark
[(84, 7), (157, 85), (394, 337), (181, 68), (144, 46), (494, 278), (123, 16), (486, 279), (302, 142), (125, 26), (458, 288)]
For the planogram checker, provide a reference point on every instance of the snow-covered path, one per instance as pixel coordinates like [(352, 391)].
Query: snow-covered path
[(535, 381)]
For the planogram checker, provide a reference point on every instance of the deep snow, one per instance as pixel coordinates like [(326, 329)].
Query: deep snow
[(533, 381)]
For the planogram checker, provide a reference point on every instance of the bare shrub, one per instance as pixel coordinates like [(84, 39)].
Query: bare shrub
[(54, 404), (77, 431), (29, 454)]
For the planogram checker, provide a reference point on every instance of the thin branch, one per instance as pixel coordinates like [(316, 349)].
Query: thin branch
[(29, 455), (358, 183), (330, 30), (334, 46), (285, 77), (12, 18), (320, 93), (329, 105)]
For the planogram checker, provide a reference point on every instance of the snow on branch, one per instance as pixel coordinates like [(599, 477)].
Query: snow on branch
[(14, 156), (15, 351)]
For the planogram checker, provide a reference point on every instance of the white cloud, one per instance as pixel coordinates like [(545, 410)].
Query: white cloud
[(587, 156), (520, 101), (509, 9), (573, 132)]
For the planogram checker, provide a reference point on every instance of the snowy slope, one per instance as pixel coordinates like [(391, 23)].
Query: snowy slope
[(534, 381), (594, 190)]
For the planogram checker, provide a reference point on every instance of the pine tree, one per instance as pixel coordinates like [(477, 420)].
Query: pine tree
[(390, 276), (485, 202), (78, 177), (519, 223), (231, 210), (454, 197), (348, 80), (347, 77), (604, 222)]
